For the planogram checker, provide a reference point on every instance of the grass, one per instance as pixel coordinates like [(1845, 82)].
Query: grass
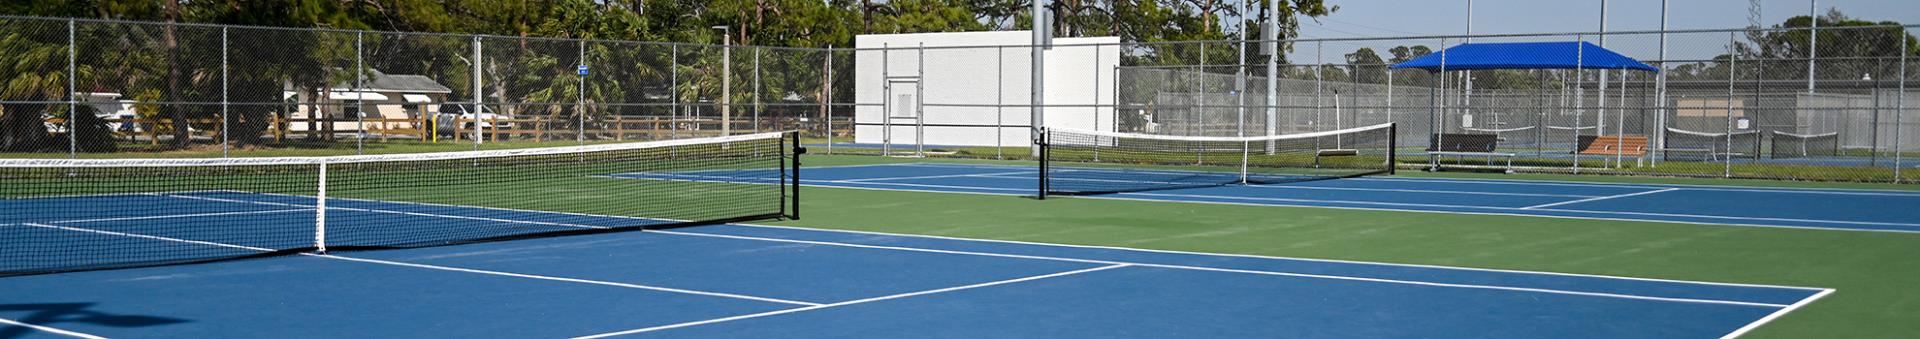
[(1874, 272)]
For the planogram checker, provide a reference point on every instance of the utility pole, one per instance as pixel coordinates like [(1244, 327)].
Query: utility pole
[(726, 80)]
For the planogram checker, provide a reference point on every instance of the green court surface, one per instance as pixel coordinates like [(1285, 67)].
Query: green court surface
[(1875, 273)]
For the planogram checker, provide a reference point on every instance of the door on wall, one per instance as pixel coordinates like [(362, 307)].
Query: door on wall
[(903, 125)]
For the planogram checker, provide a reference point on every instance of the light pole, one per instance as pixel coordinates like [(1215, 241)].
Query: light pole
[(726, 79)]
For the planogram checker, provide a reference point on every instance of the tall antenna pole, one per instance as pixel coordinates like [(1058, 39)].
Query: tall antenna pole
[(1813, 42), (1466, 98), (1600, 107), (1660, 87), (1038, 116), (1239, 76)]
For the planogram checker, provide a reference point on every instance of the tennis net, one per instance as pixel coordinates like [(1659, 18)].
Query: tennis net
[(71, 215), (1789, 145), (1685, 144), (1079, 162)]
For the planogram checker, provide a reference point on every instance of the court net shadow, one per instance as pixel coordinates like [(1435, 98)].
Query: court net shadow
[(55, 314)]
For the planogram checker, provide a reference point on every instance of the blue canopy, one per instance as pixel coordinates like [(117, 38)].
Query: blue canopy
[(1525, 55)]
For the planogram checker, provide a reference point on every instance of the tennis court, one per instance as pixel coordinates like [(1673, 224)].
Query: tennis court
[(742, 280), (1836, 209)]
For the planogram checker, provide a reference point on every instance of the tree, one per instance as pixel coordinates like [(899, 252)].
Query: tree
[(1367, 66)]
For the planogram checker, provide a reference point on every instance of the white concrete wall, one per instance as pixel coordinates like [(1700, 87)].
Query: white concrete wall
[(983, 73)]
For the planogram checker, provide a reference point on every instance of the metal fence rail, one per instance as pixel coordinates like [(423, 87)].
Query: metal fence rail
[(1726, 103)]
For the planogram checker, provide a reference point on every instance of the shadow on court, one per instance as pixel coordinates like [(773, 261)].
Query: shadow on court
[(54, 314)]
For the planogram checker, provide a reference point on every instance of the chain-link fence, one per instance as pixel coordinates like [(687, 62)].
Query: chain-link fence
[(1768, 103)]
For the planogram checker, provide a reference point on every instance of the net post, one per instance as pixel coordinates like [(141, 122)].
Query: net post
[(320, 212), (1246, 147), (1393, 147), (793, 200), (1040, 142)]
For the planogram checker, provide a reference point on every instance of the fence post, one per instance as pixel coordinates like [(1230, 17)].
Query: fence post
[(756, 89), (1733, 60), (225, 114), (73, 106), (580, 107), (359, 93), (478, 98), (1660, 89), (673, 92), (826, 97), (999, 111), (1579, 98), (1900, 107)]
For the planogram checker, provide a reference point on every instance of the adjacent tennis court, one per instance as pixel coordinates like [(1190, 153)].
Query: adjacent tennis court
[(741, 280), (1836, 209)]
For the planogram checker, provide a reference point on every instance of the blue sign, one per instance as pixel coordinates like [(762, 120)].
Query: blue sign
[(583, 69)]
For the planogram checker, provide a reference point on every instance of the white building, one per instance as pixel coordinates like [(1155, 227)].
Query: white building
[(971, 88)]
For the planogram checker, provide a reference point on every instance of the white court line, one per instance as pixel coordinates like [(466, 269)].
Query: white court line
[(933, 176), (1616, 196), (1216, 269), (171, 216), (50, 329), (1149, 250), (1725, 188), (1166, 251), (1299, 187), (1266, 257), (851, 302), (1776, 315), (1318, 203), (435, 267), (572, 280), (1538, 182)]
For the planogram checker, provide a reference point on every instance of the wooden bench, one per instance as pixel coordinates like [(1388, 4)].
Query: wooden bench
[(1466, 145), (1610, 146)]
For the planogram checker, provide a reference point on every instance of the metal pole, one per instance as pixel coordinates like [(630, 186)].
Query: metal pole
[(1037, 118), (726, 83), (826, 98), (1319, 61), (477, 98), (359, 93), (1813, 40), (920, 101), (1435, 109), (673, 94), (1096, 89), (225, 113), (1873, 125), (1579, 96), (1660, 89), (73, 106), (999, 111), (756, 90), (1600, 106), (1239, 79), (1273, 74), (1466, 91), (580, 106), (1733, 59), (1620, 122), (1899, 107), (886, 100)]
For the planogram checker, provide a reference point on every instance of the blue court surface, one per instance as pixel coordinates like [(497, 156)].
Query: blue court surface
[(1835, 209), (768, 281)]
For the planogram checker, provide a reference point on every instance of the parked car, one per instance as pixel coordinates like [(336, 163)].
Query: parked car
[(450, 114)]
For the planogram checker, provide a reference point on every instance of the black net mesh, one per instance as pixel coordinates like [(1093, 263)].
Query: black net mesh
[(1084, 162), (66, 215)]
